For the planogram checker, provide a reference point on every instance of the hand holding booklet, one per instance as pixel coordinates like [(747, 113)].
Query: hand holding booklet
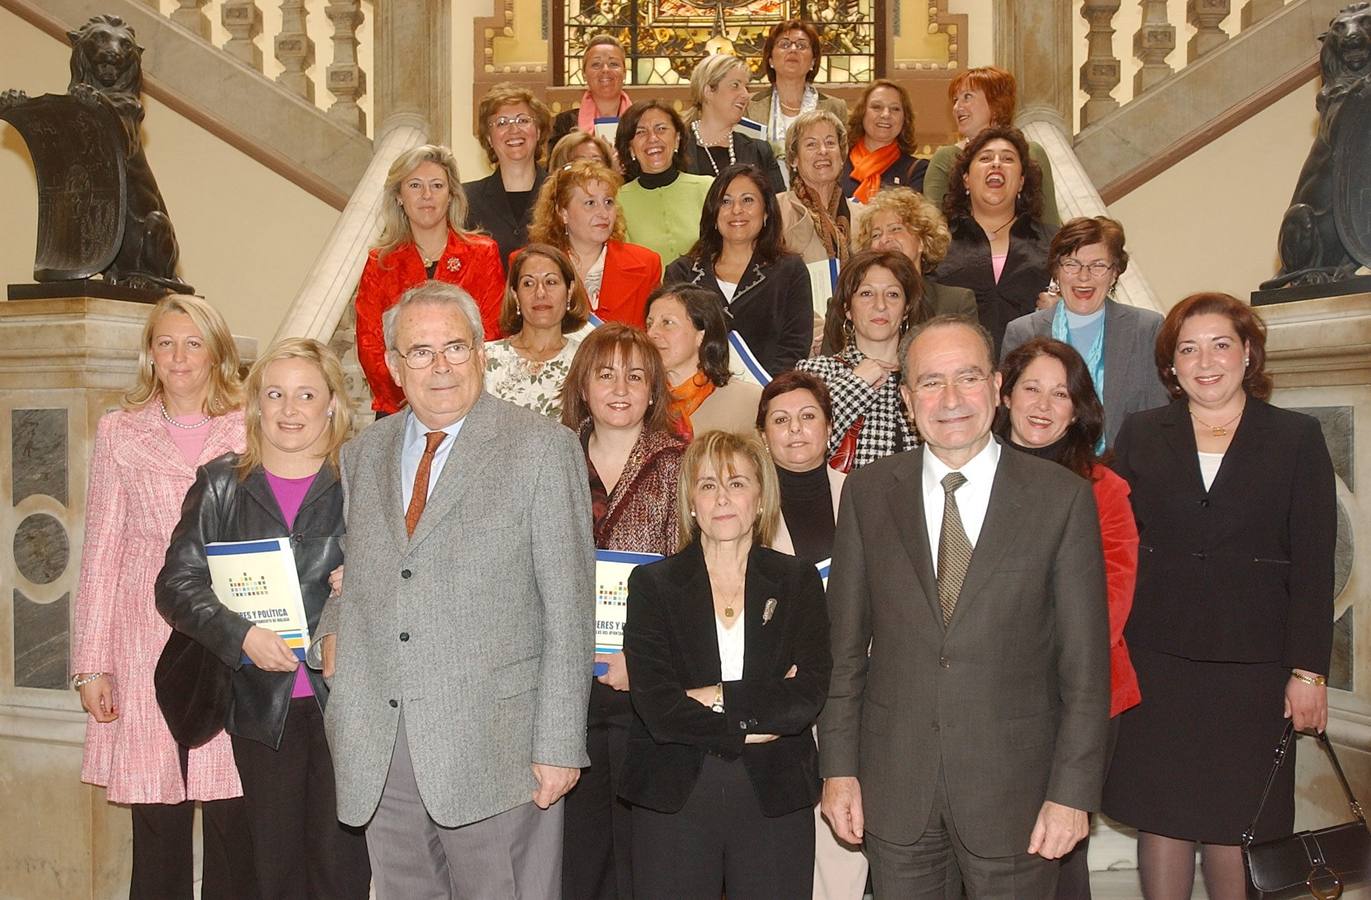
[(258, 580)]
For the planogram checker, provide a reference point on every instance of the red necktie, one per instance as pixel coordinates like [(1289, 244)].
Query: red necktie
[(420, 495)]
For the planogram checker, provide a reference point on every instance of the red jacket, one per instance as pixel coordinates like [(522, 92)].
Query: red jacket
[(1119, 536), (631, 273), (472, 264)]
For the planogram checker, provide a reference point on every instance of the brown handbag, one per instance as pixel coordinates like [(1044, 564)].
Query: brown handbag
[(1318, 864)]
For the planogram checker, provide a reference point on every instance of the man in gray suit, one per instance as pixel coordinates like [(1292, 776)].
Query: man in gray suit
[(969, 702), (464, 635)]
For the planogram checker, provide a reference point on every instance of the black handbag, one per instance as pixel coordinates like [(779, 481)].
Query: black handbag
[(1318, 864), (194, 690)]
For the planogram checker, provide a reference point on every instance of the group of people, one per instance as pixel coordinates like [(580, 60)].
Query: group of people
[(985, 550)]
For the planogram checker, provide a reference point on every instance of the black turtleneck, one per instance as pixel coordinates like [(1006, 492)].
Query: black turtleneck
[(807, 505), (1052, 452), (658, 180)]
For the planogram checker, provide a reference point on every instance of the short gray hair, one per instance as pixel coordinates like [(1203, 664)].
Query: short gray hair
[(434, 293), (943, 321)]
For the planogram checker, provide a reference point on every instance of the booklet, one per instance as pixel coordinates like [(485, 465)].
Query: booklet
[(258, 580), (823, 566), (612, 568), (743, 363), (823, 283)]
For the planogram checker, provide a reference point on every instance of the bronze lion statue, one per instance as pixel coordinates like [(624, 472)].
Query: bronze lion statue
[(1311, 249)]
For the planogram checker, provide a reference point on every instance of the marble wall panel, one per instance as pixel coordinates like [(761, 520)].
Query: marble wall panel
[(39, 441), (42, 642)]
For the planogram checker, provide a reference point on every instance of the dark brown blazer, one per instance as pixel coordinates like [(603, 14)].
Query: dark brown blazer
[(1009, 701), (1242, 572)]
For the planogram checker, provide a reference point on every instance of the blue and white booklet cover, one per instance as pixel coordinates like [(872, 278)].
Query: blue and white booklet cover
[(742, 362), (612, 568), (258, 580)]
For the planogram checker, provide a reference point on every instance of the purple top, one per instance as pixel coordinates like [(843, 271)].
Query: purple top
[(290, 493)]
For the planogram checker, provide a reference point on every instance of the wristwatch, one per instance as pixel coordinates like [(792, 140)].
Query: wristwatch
[(718, 704)]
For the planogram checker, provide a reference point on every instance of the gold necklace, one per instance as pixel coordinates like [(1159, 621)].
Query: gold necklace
[(1217, 430), (995, 232)]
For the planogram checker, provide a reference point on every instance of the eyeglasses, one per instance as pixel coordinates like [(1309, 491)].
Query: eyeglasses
[(1099, 268), (503, 122), (423, 357), (787, 44), (964, 383)]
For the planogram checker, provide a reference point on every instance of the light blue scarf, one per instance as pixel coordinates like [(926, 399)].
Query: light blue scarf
[(1094, 357)]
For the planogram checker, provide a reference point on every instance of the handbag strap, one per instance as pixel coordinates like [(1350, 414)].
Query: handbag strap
[(1281, 749)]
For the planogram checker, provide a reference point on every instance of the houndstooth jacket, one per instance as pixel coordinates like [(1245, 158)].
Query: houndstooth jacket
[(886, 429)]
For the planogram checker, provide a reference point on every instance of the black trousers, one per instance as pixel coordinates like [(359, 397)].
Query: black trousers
[(721, 843), (300, 847), (597, 836), (163, 856)]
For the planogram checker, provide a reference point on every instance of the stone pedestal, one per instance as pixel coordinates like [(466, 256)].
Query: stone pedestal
[(63, 364), (1319, 351)]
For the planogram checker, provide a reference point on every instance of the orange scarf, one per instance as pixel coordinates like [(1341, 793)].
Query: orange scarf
[(869, 165), (687, 397)]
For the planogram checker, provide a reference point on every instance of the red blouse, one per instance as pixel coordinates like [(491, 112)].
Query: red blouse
[(472, 264), (1119, 537)]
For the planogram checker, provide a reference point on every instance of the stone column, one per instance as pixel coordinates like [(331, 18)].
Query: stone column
[(413, 68), (63, 364), (1033, 41)]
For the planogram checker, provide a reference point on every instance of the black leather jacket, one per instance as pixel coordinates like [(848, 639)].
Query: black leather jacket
[(220, 507)]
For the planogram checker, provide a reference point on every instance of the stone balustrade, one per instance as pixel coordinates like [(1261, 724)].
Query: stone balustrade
[(1204, 25), (312, 43)]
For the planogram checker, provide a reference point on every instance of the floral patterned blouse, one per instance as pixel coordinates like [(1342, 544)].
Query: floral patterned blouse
[(536, 385)]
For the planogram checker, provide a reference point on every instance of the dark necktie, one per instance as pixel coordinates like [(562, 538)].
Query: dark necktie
[(420, 495), (954, 549)]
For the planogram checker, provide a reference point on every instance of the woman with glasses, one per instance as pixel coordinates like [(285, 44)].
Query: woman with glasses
[(741, 259), (999, 242), (512, 126), (661, 200), (876, 302), (422, 237), (544, 306), (578, 213), (880, 132), (1116, 340), (792, 55), (604, 66), (718, 99)]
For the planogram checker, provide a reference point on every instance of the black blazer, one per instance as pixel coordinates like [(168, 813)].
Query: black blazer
[(745, 150), (906, 171), (219, 507), (488, 209), (772, 309), (1242, 572), (967, 264), (671, 646)]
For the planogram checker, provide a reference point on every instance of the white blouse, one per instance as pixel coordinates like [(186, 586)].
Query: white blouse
[(1209, 466), (730, 648)]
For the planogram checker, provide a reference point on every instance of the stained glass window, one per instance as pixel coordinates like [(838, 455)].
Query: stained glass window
[(665, 38)]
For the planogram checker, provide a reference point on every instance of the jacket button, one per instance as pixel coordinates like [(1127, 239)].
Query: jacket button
[(944, 662), (935, 726), (394, 703), (405, 573), (404, 635), (1204, 502), (742, 726), (1201, 555)]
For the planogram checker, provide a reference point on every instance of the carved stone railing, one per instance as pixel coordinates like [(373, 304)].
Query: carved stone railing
[(1151, 26), (296, 31)]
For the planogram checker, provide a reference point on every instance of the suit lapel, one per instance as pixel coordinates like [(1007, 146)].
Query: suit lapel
[(1180, 438), (1004, 519), (1115, 359), (465, 461), (1243, 451), (694, 616), (390, 480), (761, 642), (907, 509), (256, 487), (621, 270)]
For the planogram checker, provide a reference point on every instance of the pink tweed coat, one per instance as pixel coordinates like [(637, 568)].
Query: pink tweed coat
[(137, 482)]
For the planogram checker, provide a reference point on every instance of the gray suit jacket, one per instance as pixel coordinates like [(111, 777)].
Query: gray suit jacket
[(480, 626), (1011, 699), (1131, 382)]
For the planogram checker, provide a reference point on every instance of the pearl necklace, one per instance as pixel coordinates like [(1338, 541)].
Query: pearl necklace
[(732, 154), (170, 421)]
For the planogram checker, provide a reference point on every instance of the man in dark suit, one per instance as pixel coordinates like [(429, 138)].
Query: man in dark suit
[(967, 713)]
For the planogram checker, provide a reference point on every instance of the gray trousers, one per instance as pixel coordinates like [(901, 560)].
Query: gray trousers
[(928, 868), (515, 854)]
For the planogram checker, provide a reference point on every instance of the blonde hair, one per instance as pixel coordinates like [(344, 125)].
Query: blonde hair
[(547, 226), (311, 351), (805, 121), (708, 74), (723, 450), (504, 94), (225, 384), (569, 143), (395, 228), (918, 213), (577, 303)]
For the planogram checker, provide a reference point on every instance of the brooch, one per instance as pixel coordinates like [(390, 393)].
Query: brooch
[(769, 610), (453, 264)]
